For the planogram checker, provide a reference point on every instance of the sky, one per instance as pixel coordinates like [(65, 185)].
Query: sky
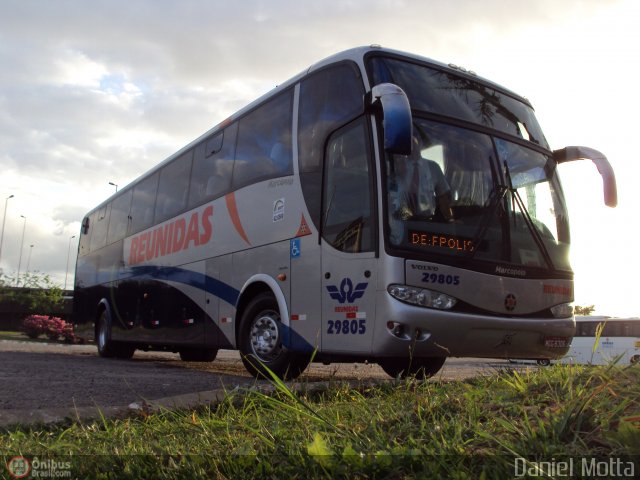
[(98, 92)]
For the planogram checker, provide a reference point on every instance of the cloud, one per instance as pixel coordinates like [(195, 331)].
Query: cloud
[(100, 91)]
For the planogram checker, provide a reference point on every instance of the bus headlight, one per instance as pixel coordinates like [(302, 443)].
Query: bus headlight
[(564, 310), (422, 297)]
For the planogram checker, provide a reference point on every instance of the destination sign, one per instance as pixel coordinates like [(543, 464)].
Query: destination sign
[(439, 240)]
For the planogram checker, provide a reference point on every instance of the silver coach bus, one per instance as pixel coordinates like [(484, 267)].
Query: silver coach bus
[(379, 206)]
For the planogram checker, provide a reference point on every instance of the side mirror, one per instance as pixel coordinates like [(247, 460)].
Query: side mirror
[(569, 154), (397, 124)]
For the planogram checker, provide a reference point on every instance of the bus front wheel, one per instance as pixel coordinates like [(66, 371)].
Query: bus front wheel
[(107, 348), (418, 367), (261, 341)]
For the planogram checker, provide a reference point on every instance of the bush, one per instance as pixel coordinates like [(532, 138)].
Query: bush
[(55, 327), (35, 325), (67, 333), (52, 327)]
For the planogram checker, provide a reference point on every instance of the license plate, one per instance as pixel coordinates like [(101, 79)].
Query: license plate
[(556, 342)]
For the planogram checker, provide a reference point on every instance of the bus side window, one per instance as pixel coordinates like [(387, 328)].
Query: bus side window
[(173, 187), (143, 203), (100, 224), (119, 217), (348, 220), (212, 167), (85, 234), (587, 329), (264, 142)]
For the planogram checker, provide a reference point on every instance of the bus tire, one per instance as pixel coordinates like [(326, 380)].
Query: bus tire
[(543, 362), (198, 354), (418, 367), (107, 348), (260, 341)]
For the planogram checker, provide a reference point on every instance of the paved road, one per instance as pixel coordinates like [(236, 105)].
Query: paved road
[(36, 376)]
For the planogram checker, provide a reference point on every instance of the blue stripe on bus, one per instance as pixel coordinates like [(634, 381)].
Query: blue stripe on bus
[(291, 339), (194, 279)]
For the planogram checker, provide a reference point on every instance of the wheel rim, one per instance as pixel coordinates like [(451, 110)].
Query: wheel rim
[(265, 336)]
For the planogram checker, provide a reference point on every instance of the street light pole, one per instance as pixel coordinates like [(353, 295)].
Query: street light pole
[(29, 258), (24, 226), (3, 219), (115, 185), (68, 255)]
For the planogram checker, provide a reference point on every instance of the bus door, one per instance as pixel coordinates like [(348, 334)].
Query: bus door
[(348, 243)]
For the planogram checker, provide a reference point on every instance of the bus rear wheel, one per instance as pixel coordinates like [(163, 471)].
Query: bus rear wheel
[(261, 341), (418, 367), (198, 354), (107, 348)]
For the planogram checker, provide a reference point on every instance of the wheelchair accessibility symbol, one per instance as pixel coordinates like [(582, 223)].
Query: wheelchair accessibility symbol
[(295, 248)]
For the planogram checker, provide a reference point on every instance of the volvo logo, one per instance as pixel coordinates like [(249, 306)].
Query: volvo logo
[(510, 302)]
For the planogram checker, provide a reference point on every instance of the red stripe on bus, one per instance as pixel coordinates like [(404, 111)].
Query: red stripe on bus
[(230, 198)]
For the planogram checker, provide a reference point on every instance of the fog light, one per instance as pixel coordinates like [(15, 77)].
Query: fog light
[(398, 330)]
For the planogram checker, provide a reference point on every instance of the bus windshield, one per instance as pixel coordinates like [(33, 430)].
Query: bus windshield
[(467, 194), (434, 91)]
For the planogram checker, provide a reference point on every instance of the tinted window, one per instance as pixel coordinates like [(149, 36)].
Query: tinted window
[(213, 166), (264, 142), (100, 224), (174, 187), (142, 206), (119, 217), (328, 100), (348, 223), (432, 90), (85, 235)]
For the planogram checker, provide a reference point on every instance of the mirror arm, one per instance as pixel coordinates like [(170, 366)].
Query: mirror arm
[(569, 154)]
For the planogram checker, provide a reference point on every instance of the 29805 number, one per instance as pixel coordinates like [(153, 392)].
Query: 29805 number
[(346, 327), (440, 278)]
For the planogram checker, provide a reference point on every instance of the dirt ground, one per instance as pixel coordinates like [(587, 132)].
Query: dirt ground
[(40, 376)]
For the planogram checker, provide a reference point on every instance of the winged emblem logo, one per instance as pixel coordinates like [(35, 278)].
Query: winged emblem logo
[(346, 292)]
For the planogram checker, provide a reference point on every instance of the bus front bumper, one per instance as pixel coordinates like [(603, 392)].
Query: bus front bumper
[(404, 329)]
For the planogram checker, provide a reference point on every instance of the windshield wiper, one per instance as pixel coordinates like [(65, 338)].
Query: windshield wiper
[(532, 228), (496, 197)]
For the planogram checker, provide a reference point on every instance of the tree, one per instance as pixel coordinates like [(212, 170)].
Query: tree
[(38, 293), (580, 310)]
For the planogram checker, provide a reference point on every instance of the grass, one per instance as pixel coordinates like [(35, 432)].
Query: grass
[(404, 429), (4, 335), (22, 337)]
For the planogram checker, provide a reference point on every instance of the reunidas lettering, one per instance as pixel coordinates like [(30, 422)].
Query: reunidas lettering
[(172, 237)]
